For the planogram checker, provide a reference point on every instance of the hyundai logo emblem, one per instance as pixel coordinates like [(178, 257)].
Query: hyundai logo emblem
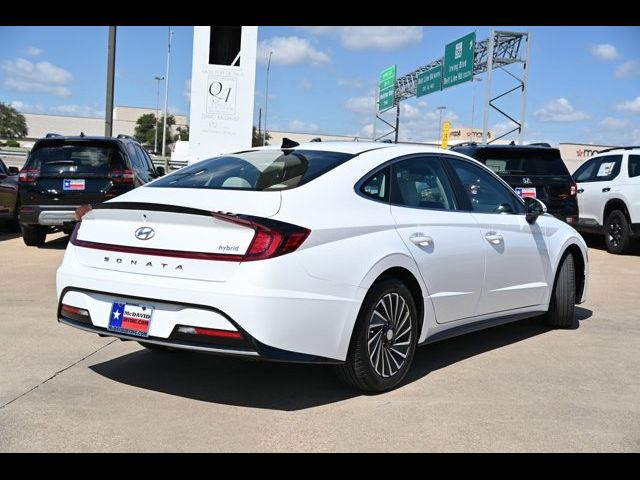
[(527, 181), (145, 233)]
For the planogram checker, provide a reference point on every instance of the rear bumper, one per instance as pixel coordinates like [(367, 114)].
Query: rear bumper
[(567, 212), (49, 215)]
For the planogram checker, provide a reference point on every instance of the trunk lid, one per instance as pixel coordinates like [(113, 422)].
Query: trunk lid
[(171, 232)]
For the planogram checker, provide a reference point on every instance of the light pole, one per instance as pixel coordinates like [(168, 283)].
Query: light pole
[(473, 104), (441, 108), (166, 99), (155, 145), (266, 102)]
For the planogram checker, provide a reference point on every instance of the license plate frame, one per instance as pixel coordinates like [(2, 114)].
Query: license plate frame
[(130, 318)]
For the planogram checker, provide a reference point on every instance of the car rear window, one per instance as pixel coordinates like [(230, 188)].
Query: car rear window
[(523, 162), (255, 170), (79, 157)]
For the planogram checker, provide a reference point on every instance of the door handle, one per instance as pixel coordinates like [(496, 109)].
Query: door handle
[(421, 239), (580, 190), (606, 189), (494, 238)]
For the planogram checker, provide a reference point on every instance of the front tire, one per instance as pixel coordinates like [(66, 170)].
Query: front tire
[(562, 307), (384, 339), (34, 236), (616, 234)]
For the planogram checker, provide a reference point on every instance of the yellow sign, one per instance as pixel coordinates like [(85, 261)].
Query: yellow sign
[(446, 126)]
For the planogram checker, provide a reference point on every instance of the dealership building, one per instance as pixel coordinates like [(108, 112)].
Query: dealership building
[(124, 123)]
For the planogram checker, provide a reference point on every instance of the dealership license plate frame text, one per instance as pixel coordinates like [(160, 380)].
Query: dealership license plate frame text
[(130, 318)]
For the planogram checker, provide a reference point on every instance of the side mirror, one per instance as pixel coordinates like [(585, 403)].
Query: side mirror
[(160, 171), (13, 170), (533, 208)]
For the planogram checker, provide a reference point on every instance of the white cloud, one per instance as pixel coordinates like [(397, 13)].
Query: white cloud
[(632, 106), (409, 112), (613, 123), (302, 127), (291, 51), (187, 90), (40, 77), (605, 51), (26, 107), (380, 38), (350, 82), (78, 110), (360, 105), (34, 51), (423, 104), (559, 110), (305, 84), (628, 69)]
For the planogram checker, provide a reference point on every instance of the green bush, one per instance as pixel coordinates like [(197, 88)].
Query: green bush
[(11, 143)]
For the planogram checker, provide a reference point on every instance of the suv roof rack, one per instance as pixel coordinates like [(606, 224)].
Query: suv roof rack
[(540, 144), (464, 144), (52, 135), (617, 148), (129, 137)]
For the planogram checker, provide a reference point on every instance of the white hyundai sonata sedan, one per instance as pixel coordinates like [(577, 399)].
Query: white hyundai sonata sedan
[(351, 254)]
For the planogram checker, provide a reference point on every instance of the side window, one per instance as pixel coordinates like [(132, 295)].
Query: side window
[(135, 158), (422, 182), (607, 168), (377, 186), (485, 193), (585, 172), (148, 164), (634, 166)]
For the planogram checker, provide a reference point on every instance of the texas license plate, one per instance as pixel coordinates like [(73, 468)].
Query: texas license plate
[(130, 318), (73, 184), (525, 192)]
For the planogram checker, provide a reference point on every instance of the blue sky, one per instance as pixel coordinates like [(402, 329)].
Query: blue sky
[(584, 82)]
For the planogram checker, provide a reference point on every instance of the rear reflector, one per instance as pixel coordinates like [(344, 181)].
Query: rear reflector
[(68, 309), (210, 332), (81, 211)]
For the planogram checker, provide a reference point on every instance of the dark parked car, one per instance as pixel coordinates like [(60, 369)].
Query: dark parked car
[(535, 170), (63, 173), (8, 193)]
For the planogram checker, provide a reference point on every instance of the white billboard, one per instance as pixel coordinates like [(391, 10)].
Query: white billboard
[(222, 90)]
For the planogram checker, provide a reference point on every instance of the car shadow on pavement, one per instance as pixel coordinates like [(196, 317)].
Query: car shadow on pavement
[(8, 234), (597, 242), (56, 244), (289, 387)]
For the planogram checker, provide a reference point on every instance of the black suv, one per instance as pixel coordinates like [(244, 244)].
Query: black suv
[(535, 170), (62, 173)]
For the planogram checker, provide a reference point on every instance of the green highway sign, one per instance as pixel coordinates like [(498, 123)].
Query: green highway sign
[(458, 61), (429, 81), (386, 87)]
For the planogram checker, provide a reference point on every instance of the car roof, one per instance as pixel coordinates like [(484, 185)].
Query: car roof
[(87, 138), (353, 148), (478, 146)]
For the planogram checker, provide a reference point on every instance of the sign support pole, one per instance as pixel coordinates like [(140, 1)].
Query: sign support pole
[(487, 96), (397, 120), (525, 87)]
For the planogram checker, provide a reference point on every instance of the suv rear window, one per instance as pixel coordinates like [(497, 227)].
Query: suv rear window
[(255, 170), (523, 162), (77, 157)]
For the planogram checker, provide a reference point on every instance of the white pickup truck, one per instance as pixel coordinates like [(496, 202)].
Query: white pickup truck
[(609, 196)]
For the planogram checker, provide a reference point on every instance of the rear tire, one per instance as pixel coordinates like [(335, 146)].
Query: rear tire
[(384, 339), (562, 307), (156, 348), (616, 234), (34, 236)]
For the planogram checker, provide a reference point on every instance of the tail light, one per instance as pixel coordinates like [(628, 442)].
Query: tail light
[(29, 175), (81, 211), (573, 192), (272, 238), (121, 176)]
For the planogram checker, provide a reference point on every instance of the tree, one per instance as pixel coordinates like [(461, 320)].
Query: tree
[(256, 138), (12, 122), (145, 131), (183, 133)]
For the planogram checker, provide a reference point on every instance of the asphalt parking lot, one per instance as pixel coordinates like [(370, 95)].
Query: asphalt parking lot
[(518, 387)]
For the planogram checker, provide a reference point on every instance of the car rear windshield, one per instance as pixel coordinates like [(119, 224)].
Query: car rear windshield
[(76, 157), (523, 162), (256, 170)]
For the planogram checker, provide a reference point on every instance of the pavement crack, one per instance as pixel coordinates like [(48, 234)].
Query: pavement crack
[(57, 373)]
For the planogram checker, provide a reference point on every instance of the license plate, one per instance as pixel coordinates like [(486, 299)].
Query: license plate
[(525, 192), (73, 184), (130, 318)]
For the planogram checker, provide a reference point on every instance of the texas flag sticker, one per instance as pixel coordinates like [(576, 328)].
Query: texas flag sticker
[(73, 184)]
